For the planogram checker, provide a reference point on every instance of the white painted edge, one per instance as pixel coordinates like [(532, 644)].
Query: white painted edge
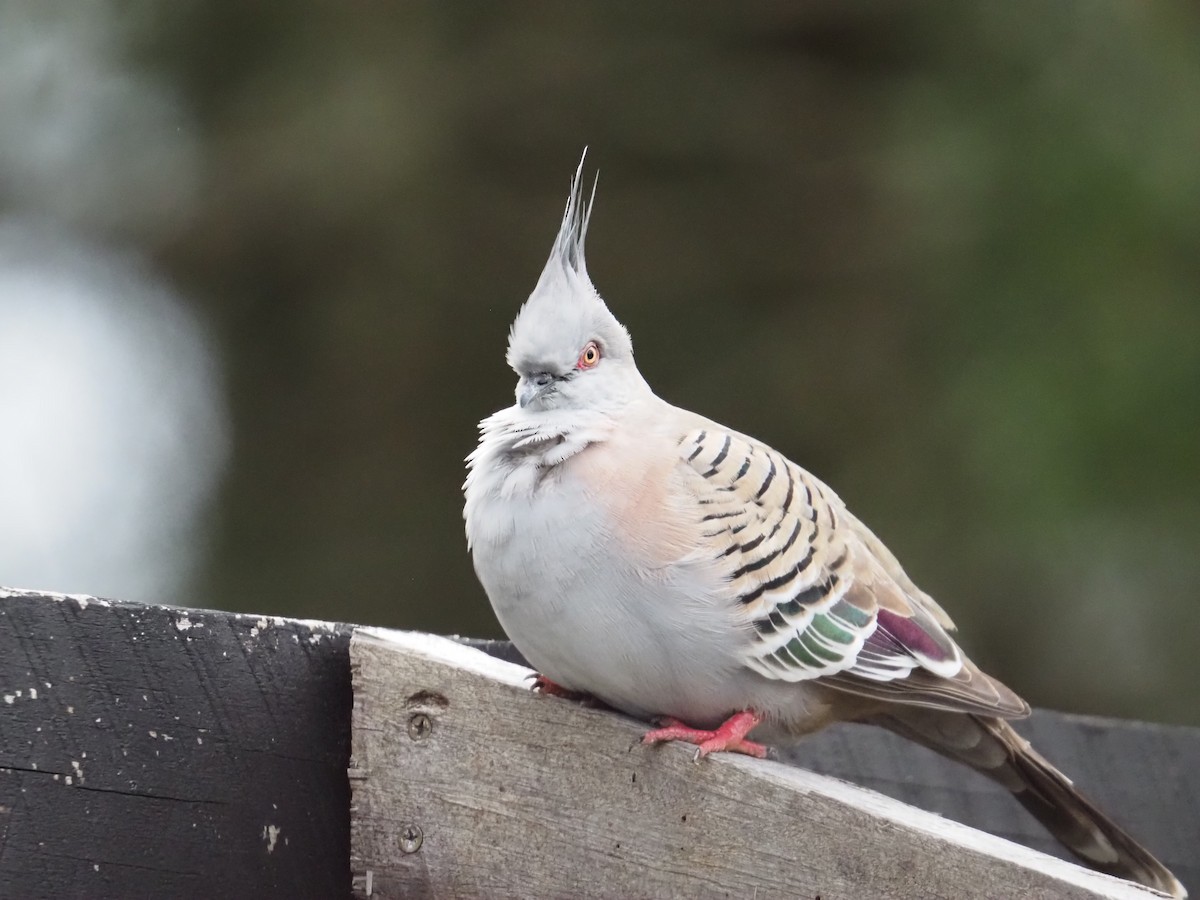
[(444, 650), (264, 621), (449, 652), (86, 600)]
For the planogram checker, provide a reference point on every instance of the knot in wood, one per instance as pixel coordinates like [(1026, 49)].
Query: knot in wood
[(420, 726), (411, 838)]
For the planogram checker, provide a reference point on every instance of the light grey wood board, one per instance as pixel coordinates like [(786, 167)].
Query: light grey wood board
[(1145, 775), (507, 793)]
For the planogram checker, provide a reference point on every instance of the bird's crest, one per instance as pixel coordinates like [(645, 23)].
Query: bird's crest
[(566, 256), (565, 311)]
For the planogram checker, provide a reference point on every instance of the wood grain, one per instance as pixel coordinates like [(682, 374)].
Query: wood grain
[(513, 794), (158, 752)]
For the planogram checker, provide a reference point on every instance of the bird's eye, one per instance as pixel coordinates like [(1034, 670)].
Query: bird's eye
[(589, 357)]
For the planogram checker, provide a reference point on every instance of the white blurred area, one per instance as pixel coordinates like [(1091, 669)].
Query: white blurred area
[(113, 425)]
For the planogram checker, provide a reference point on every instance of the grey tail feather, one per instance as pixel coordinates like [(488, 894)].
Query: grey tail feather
[(991, 746)]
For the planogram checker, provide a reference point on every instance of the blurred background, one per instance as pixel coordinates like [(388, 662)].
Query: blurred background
[(257, 266)]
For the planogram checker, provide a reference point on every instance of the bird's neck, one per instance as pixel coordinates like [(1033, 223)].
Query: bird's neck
[(519, 438)]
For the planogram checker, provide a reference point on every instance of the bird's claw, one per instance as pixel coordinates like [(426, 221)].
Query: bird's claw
[(543, 685), (730, 737)]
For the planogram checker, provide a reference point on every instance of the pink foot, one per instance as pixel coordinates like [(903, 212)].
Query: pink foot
[(730, 737)]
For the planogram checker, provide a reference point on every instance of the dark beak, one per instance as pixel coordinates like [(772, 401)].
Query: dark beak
[(532, 385)]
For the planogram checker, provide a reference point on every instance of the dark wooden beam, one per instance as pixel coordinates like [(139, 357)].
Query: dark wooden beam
[(157, 752)]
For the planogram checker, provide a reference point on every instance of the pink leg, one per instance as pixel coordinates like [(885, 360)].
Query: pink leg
[(543, 685), (730, 736)]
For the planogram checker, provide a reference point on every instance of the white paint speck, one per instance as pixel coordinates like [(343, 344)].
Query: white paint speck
[(183, 623), (33, 693), (153, 734), (270, 834), (70, 710), (9, 698), (78, 770), (95, 867), (67, 779)]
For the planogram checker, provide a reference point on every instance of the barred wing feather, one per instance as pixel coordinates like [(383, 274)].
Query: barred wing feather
[(822, 595)]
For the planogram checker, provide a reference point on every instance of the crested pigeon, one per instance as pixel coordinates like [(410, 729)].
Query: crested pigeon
[(684, 573)]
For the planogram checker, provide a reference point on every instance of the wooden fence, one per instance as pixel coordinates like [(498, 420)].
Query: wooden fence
[(163, 752)]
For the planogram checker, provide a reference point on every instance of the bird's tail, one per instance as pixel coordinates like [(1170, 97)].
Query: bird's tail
[(992, 747)]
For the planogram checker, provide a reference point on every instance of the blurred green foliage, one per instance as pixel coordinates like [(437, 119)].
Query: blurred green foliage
[(945, 255)]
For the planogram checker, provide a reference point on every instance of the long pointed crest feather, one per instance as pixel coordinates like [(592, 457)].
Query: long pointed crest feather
[(566, 256)]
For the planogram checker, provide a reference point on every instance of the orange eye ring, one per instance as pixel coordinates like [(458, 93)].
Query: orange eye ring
[(589, 356)]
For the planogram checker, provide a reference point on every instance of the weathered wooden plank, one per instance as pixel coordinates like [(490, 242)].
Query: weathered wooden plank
[(157, 752), (466, 784), (1146, 775)]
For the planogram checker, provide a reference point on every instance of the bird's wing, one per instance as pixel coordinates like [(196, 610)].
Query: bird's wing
[(822, 596)]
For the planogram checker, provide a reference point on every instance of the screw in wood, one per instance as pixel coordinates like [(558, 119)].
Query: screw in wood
[(419, 726), (411, 838)]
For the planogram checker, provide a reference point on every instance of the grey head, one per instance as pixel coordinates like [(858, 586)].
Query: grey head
[(568, 350)]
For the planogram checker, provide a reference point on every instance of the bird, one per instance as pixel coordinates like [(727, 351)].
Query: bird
[(692, 576)]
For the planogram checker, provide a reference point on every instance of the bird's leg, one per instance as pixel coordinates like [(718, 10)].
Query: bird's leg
[(543, 685), (730, 736)]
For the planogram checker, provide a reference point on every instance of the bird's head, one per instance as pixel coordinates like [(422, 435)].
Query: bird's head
[(568, 350)]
